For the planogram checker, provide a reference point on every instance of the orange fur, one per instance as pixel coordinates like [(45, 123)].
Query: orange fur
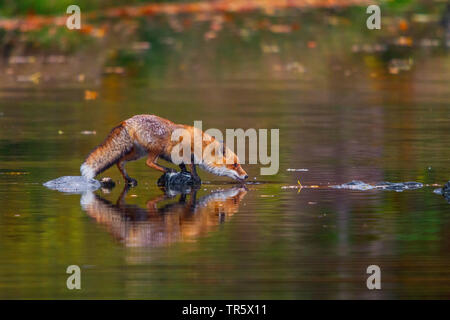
[(150, 136)]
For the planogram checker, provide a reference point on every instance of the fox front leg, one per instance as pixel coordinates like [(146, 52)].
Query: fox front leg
[(194, 172), (151, 162), (183, 167)]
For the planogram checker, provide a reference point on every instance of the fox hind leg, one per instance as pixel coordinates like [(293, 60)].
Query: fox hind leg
[(133, 155), (128, 179)]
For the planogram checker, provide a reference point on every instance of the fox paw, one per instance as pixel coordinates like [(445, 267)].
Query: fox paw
[(132, 182)]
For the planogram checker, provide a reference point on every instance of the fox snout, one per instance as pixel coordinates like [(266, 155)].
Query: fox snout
[(238, 172), (242, 174)]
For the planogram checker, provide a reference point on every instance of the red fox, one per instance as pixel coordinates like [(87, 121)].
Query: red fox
[(151, 136)]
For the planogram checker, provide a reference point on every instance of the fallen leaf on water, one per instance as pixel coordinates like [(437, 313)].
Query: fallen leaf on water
[(98, 33), (35, 78), (403, 25), (397, 65), (295, 67), (404, 41), (267, 48), (21, 59), (14, 173), (312, 44), (90, 95), (424, 18), (280, 28), (429, 42), (143, 45), (88, 132), (114, 70), (55, 59)]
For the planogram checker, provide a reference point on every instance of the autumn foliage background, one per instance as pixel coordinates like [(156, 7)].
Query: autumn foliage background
[(350, 103)]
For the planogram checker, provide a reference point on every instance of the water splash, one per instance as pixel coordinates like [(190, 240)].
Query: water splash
[(73, 184), (391, 186)]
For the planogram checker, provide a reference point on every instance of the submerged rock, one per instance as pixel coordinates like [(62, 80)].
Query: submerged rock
[(73, 184), (398, 186), (179, 181), (445, 191), (354, 185), (107, 183)]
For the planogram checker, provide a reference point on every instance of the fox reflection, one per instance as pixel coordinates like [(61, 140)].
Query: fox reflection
[(183, 220)]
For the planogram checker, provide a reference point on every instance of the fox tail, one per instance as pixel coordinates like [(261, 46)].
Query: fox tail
[(116, 145)]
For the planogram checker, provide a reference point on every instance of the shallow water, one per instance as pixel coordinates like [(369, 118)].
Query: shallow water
[(266, 240)]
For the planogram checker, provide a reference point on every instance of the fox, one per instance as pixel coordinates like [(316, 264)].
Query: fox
[(151, 136)]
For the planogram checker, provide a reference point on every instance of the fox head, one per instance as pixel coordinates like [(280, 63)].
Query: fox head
[(225, 163)]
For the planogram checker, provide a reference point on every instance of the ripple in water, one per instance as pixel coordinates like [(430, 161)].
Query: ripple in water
[(391, 186)]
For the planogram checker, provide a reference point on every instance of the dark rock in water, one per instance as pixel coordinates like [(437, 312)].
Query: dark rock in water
[(107, 183), (413, 185), (445, 191), (399, 186), (179, 181), (393, 187), (73, 184)]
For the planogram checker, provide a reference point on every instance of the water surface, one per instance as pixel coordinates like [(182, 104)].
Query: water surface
[(343, 117)]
